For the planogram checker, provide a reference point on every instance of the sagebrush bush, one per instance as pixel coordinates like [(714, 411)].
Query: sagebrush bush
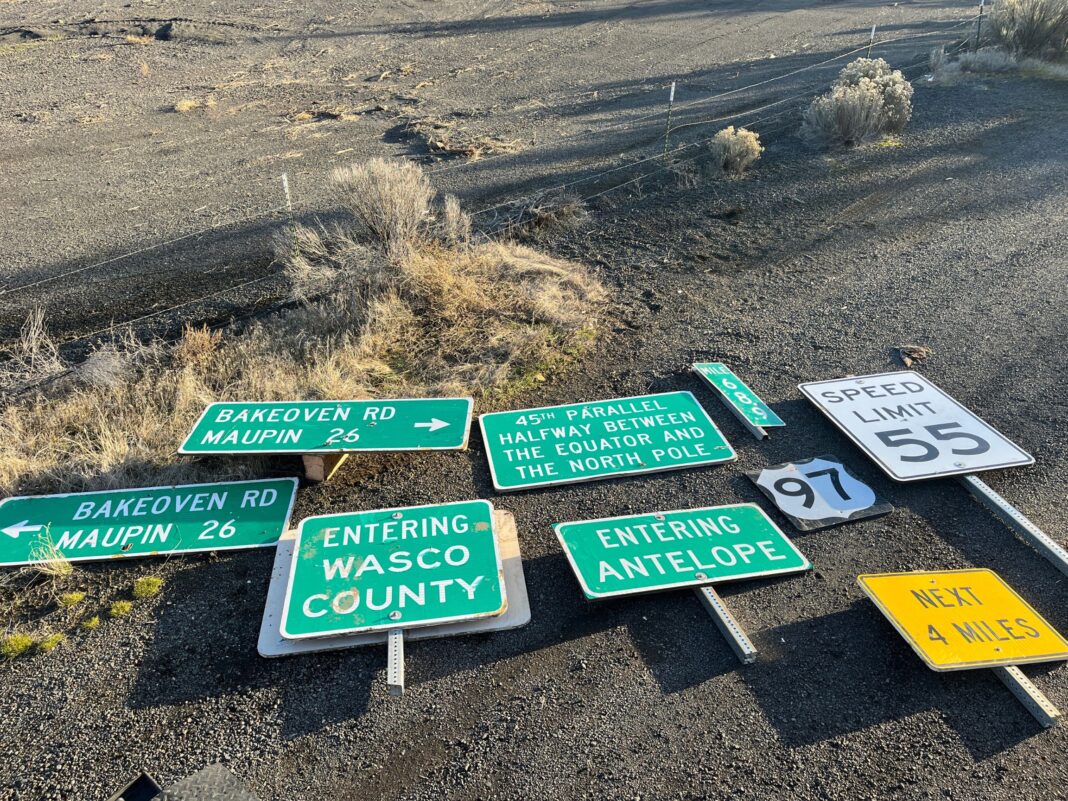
[(388, 198), (734, 150), (867, 99), (1035, 28)]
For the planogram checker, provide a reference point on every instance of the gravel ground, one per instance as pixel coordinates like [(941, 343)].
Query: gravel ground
[(813, 267)]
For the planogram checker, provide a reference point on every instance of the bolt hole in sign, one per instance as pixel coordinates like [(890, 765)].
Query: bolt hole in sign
[(963, 619), (818, 492), (911, 428), (393, 569), (668, 550)]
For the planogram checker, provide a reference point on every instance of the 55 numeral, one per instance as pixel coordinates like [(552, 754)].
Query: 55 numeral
[(942, 432)]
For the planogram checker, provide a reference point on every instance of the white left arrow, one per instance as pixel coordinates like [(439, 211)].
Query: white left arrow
[(13, 531), (433, 425)]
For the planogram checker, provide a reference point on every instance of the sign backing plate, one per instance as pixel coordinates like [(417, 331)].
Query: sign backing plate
[(272, 644)]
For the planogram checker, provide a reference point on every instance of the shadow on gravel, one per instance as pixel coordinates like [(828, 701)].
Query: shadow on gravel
[(673, 636), (834, 675)]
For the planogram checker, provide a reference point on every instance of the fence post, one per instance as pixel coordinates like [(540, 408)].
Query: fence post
[(871, 40), (979, 25), (667, 125), (285, 188)]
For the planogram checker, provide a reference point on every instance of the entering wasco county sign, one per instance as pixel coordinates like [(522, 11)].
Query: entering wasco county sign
[(911, 428), (331, 426), (666, 550), (600, 439), (144, 522), (393, 569)]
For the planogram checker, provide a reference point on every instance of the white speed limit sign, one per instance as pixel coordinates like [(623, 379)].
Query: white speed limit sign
[(911, 428)]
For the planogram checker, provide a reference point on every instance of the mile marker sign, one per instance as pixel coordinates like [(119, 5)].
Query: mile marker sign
[(331, 426), (911, 428), (150, 521), (963, 619), (667, 550), (392, 569), (600, 439)]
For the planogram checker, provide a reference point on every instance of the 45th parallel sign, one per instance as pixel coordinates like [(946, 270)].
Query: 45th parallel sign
[(666, 550), (393, 569), (961, 619), (144, 522), (600, 439), (331, 426)]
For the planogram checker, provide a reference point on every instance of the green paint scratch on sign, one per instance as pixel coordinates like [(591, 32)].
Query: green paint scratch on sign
[(331, 426), (600, 439), (666, 550), (145, 522), (739, 397), (393, 569)]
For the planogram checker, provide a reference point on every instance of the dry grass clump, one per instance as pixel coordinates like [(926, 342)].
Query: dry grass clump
[(187, 104), (15, 645), (867, 99), (49, 560), (447, 139), (34, 358), (735, 150), (395, 300), (1035, 28)]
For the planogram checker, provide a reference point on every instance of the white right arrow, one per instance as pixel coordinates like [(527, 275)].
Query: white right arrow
[(433, 425), (14, 530)]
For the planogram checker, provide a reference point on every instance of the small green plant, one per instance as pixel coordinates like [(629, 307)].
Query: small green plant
[(15, 645), (50, 643), (69, 599), (121, 608), (146, 587), (91, 623)]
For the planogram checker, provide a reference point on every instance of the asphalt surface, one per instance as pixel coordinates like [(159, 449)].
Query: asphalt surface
[(813, 267)]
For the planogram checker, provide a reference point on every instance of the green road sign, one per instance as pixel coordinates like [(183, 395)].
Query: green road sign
[(331, 426), (667, 550), (393, 569), (740, 398), (145, 522), (600, 439)]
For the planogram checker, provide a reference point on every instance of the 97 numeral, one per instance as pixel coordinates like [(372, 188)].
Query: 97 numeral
[(899, 438), (803, 490)]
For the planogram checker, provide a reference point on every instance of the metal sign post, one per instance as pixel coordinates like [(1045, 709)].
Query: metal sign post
[(915, 431), (966, 619), (395, 662), (688, 548), (600, 439), (1014, 519)]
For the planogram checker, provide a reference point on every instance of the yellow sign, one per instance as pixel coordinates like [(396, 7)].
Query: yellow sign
[(960, 619)]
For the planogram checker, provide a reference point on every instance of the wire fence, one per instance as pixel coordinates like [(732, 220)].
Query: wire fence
[(669, 158)]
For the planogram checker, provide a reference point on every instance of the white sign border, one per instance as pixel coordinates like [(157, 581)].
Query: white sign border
[(596, 596), (883, 465), (285, 522), (185, 451), (399, 624), (643, 472)]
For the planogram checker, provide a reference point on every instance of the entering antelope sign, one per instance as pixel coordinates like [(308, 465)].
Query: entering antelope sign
[(666, 550), (600, 439), (331, 426), (960, 619), (911, 428), (144, 522), (393, 569)]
